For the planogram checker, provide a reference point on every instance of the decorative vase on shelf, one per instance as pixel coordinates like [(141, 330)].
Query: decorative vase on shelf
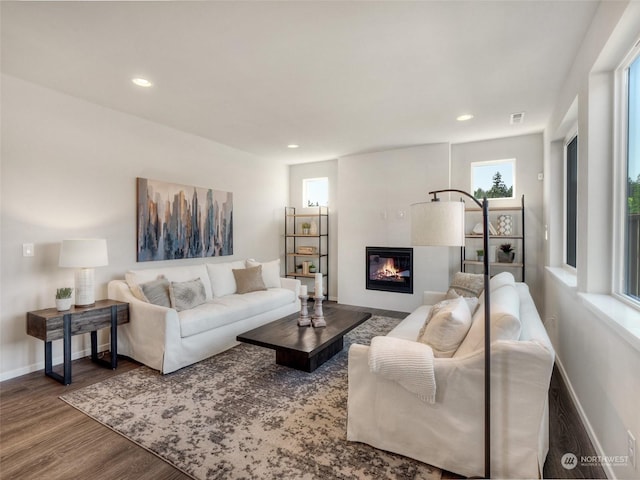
[(505, 225), (313, 229)]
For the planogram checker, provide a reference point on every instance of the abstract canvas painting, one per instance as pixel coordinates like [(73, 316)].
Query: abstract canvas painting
[(179, 221)]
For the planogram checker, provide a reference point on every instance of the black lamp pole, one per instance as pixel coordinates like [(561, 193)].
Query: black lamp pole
[(487, 324)]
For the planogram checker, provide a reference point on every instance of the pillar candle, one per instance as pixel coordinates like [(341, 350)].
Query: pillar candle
[(303, 290), (318, 285)]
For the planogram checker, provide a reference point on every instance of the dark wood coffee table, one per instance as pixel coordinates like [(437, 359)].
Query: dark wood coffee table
[(305, 348)]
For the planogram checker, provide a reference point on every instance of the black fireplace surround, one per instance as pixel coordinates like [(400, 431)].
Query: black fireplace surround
[(390, 269)]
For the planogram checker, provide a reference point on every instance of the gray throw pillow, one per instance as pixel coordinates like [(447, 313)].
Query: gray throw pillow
[(157, 292), (186, 295), (249, 279)]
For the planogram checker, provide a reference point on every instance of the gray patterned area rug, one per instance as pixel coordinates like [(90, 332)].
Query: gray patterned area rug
[(239, 415)]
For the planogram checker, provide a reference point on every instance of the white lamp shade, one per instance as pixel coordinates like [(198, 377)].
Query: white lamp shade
[(437, 224), (84, 253)]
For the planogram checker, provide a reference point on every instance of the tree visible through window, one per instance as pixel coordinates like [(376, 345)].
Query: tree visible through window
[(493, 179)]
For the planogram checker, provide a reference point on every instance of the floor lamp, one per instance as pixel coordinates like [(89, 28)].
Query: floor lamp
[(438, 223)]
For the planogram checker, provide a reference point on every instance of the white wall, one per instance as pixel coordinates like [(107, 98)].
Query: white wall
[(528, 152), (374, 195), (69, 170), (599, 364), (327, 169)]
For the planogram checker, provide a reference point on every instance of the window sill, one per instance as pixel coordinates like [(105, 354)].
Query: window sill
[(619, 316), (622, 318), (567, 278)]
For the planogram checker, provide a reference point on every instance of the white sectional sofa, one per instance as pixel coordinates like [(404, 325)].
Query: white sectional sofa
[(166, 338), (449, 433)]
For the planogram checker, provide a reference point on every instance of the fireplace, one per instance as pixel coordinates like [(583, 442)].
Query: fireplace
[(390, 269)]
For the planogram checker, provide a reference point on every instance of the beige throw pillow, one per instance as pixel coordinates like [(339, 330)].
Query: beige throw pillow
[(186, 295), (467, 284), (446, 326), (270, 272), (249, 279)]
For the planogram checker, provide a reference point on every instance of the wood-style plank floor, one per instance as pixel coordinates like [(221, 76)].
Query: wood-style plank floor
[(43, 437)]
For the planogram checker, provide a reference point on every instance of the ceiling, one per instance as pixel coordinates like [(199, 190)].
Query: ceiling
[(337, 78)]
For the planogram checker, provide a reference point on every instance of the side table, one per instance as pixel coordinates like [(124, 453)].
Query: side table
[(50, 324)]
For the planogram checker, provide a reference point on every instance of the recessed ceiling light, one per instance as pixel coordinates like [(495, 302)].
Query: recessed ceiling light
[(465, 117), (142, 82), (293, 145)]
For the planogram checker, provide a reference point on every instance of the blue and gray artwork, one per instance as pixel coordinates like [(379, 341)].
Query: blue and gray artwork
[(178, 221)]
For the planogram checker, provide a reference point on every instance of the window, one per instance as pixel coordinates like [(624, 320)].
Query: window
[(493, 179), (631, 262), (571, 201), (315, 192)]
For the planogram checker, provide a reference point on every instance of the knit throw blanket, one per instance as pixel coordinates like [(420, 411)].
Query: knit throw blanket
[(408, 363)]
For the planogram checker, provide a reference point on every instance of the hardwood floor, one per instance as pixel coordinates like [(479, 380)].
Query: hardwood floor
[(43, 437)]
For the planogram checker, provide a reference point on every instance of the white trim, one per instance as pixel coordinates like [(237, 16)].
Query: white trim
[(621, 317), (58, 360), (585, 421), (620, 175)]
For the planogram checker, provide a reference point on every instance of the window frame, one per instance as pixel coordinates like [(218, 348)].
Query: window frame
[(305, 197), (573, 134), (620, 177), (483, 163)]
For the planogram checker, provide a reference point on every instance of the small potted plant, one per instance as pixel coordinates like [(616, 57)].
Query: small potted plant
[(480, 254), (312, 268), (506, 254), (63, 299), (306, 227)]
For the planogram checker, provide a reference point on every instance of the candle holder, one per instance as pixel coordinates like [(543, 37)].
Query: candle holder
[(304, 320), (318, 317)]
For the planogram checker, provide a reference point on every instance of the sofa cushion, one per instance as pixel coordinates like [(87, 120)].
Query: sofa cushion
[(504, 323), (173, 274), (231, 308), (270, 272), (467, 284), (185, 295), (221, 277), (446, 326), (472, 302), (156, 292), (249, 279)]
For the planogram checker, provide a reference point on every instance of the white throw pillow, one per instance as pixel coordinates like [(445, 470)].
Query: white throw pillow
[(472, 302), (270, 272), (505, 320), (221, 277), (446, 326)]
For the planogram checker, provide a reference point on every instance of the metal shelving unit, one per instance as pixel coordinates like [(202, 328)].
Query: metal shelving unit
[(518, 238), (294, 239)]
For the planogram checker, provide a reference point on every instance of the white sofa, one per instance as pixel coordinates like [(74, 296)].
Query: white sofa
[(450, 432), (166, 339)]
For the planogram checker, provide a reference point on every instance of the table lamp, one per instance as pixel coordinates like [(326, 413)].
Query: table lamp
[(438, 223), (84, 254)]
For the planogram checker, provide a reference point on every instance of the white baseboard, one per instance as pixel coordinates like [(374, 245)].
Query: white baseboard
[(585, 421), (58, 360)]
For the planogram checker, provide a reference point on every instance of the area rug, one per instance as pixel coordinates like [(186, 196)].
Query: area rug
[(239, 415)]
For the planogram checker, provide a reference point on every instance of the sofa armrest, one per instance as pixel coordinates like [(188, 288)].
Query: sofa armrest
[(146, 337), (431, 298), (292, 284)]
